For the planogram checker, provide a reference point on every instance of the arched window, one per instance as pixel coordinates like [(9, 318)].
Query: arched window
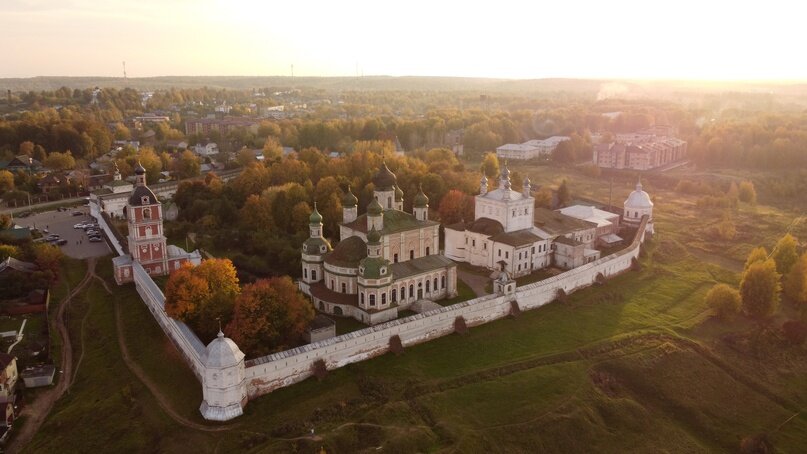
[(435, 284), (372, 299), (344, 287), (305, 273), (313, 275), (394, 296), (411, 290), (412, 254), (395, 258), (362, 297), (442, 282), (427, 250), (427, 285), (146, 213), (332, 286), (403, 293), (384, 298)]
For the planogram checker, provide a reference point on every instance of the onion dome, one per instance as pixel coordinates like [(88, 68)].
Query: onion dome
[(315, 217), (373, 237), (384, 180), (316, 246), (349, 200), (638, 198), (222, 352), (421, 201), (374, 208), (139, 170), (399, 194)]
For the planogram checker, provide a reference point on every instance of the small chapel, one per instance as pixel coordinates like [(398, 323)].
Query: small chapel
[(386, 259), (146, 241)]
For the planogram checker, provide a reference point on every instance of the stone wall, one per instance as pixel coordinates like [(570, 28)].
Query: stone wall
[(281, 369), (183, 338)]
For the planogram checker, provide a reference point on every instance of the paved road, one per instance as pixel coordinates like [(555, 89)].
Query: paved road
[(61, 223)]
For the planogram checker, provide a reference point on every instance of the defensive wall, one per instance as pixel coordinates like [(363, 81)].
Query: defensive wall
[(262, 375)]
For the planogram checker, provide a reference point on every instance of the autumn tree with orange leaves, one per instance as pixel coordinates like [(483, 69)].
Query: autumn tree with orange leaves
[(270, 315), (203, 295), (456, 206)]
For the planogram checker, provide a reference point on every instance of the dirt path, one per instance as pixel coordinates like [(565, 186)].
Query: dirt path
[(162, 399), (38, 410)]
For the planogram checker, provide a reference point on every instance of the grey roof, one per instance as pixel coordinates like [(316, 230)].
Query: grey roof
[(138, 194), (420, 265), (557, 223), (517, 238), (222, 352), (18, 265), (348, 253)]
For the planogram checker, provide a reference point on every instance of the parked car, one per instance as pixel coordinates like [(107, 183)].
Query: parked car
[(61, 242), (78, 213), (52, 237), (96, 239), (80, 225)]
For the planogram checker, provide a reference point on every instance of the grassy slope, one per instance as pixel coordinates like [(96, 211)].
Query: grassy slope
[(613, 369)]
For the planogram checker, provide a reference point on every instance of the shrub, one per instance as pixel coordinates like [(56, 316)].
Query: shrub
[(515, 311), (395, 345), (319, 369), (795, 331), (723, 300), (560, 295), (756, 444), (460, 326), (600, 279)]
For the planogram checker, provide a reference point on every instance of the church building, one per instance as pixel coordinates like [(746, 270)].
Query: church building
[(386, 259), (147, 244)]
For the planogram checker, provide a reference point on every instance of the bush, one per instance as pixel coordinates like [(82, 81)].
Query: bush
[(724, 300), (395, 345), (600, 279), (460, 327), (560, 295), (795, 331), (756, 444), (319, 369)]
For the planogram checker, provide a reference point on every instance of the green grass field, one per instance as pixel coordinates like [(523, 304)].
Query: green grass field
[(635, 365)]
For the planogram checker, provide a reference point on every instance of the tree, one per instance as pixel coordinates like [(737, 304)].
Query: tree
[(203, 296), (48, 258), (795, 282), (6, 181), (760, 289), (747, 193), (60, 161), (7, 250), (759, 254), (543, 198), (245, 157), (272, 150), (455, 207), (490, 165), (784, 254), (564, 195), (27, 148), (723, 300), (270, 315), (187, 165)]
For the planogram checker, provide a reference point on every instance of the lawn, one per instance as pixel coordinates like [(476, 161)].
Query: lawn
[(636, 364)]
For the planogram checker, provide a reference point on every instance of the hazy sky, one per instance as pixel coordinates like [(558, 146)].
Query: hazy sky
[(686, 39)]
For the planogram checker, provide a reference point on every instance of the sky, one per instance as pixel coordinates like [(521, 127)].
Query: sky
[(514, 39)]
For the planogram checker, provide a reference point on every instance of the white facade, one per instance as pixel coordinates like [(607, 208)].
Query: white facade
[(638, 204), (529, 149)]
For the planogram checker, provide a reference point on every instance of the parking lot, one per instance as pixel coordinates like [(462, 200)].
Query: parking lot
[(61, 223)]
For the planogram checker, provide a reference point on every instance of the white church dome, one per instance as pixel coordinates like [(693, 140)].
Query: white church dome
[(222, 352), (638, 198)]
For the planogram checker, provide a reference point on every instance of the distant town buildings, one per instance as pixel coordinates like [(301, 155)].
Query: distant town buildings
[(529, 149), (643, 150), (204, 126)]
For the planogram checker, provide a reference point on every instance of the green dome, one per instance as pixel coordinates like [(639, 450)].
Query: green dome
[(316, 246), (398, 194), (372, 267), (384, 180), (315, 217), (374, 208), (373, 237), (421, 201), (349, 200)]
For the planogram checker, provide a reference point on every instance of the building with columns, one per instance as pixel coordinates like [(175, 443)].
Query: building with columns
[(386, 259), (146, 241)]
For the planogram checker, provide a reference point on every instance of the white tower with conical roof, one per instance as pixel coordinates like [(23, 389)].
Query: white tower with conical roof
[(638, 204), (224, 386)]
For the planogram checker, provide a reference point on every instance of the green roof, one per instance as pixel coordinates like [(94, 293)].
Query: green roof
[(312, 246), (420, 265), (347, 253), (394, 221), (372, 267)]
